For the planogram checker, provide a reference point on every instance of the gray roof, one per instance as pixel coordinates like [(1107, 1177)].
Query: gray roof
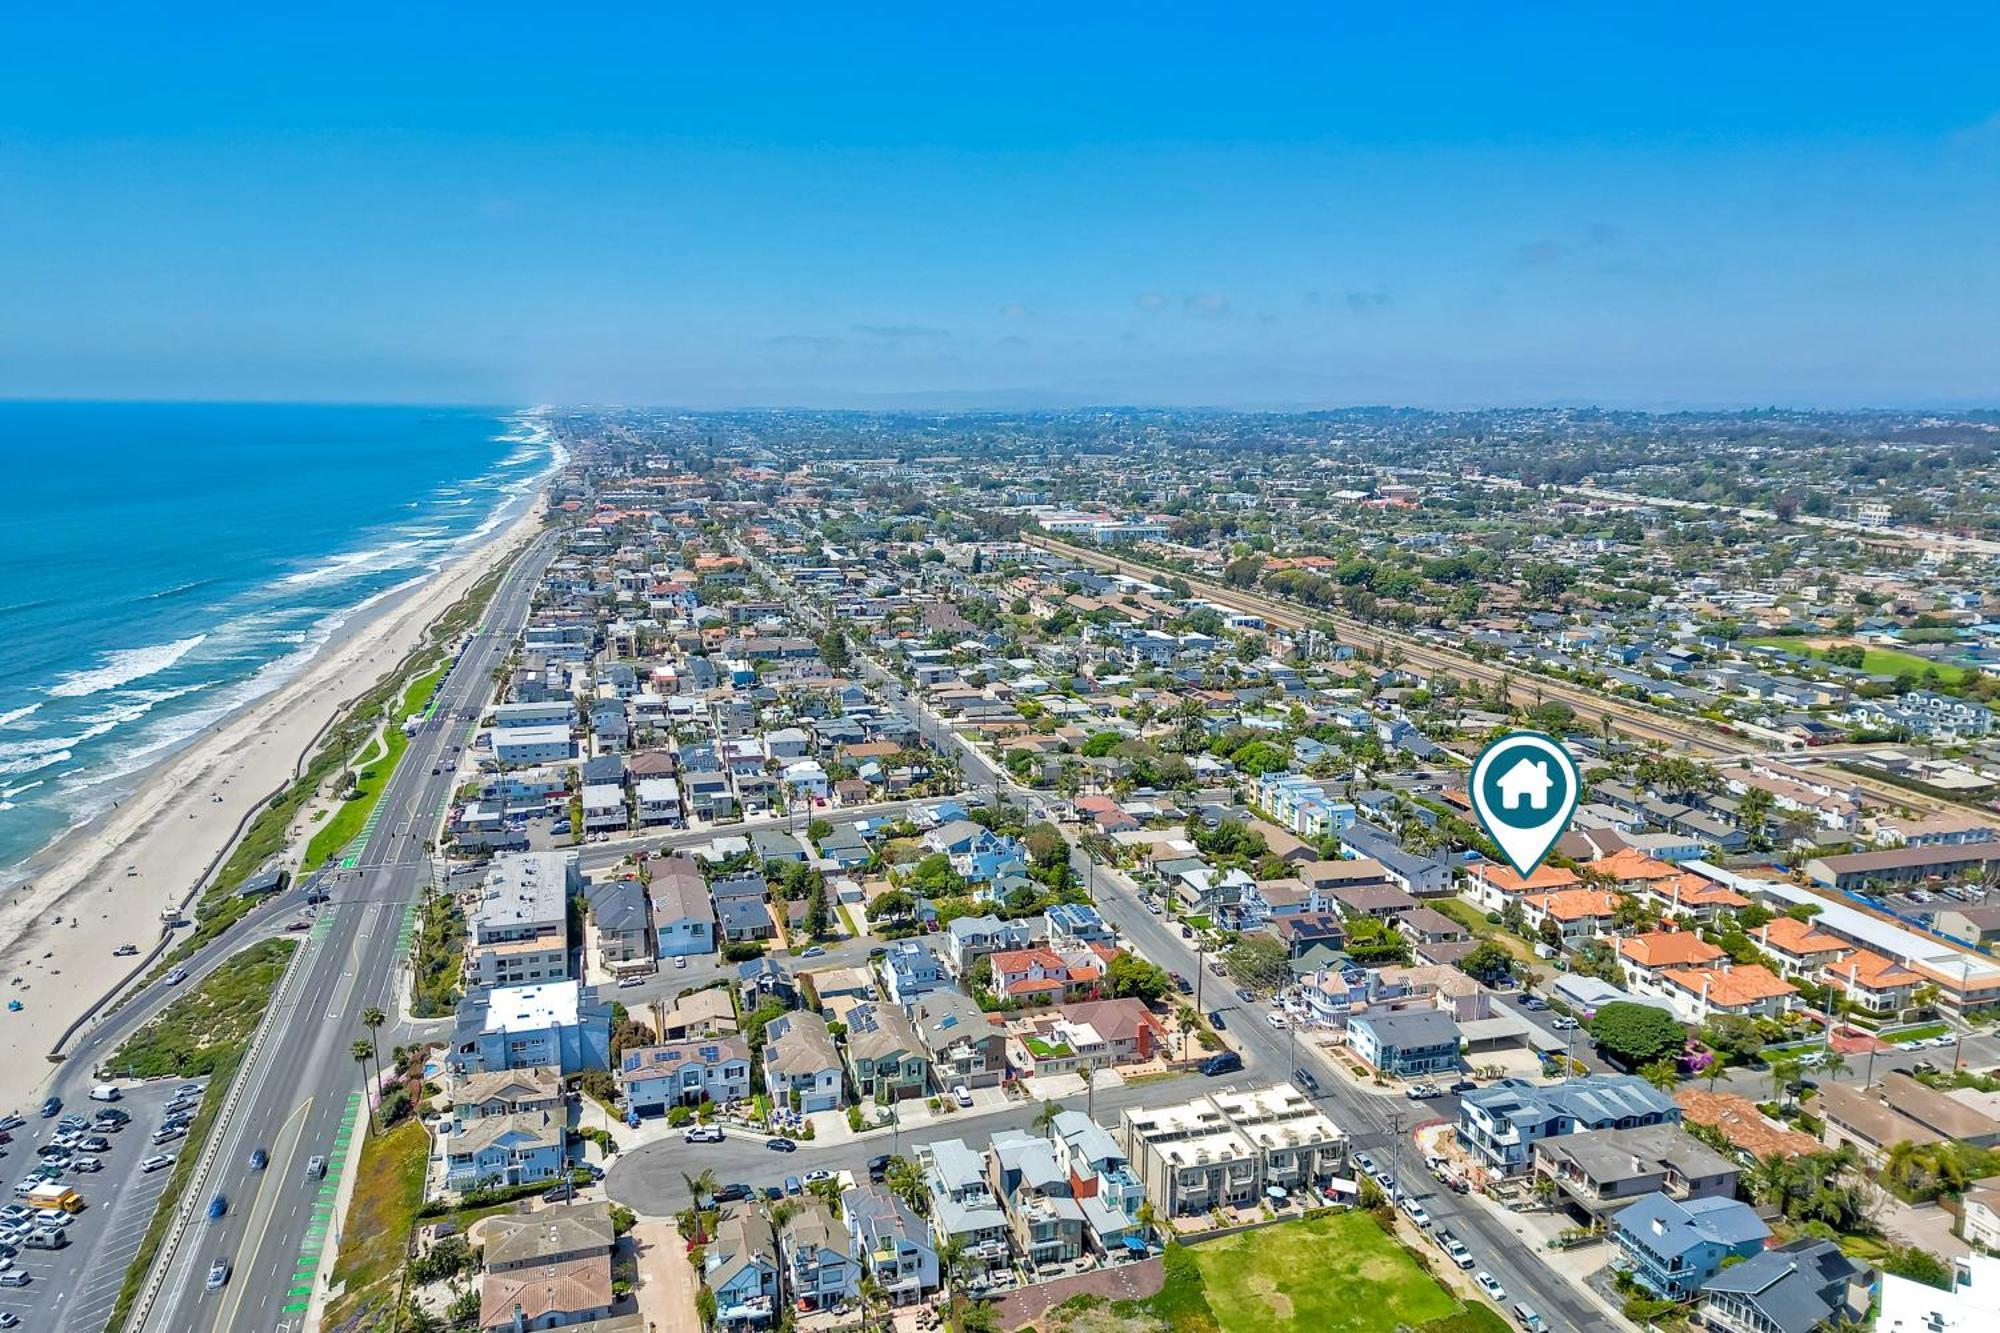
[(1404, 1028), (1683, 1226), (619, 906), (560, 1229), (1795, 1286)]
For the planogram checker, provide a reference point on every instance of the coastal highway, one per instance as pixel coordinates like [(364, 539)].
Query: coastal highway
[(297, 1094)]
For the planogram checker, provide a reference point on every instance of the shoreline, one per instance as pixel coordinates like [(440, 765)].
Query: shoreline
[(171, 828)]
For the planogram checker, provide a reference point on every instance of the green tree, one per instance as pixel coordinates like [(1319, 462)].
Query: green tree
[(1733, 1037), (1133, 977), (819, 915), (1258, 963), (1635, 1035), (1489, 963)]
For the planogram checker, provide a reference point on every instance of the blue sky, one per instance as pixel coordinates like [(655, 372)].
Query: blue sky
[(1146, 204)]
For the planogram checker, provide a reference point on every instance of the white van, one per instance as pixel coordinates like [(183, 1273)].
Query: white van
[(105, 1092)]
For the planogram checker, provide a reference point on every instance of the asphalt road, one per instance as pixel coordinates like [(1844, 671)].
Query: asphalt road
[(298, 1097), (649, 1180)]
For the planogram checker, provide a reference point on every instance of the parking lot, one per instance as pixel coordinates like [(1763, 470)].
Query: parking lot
[(74, 1287)]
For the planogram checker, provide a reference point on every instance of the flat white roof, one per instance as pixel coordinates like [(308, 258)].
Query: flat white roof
[(532, 1008)]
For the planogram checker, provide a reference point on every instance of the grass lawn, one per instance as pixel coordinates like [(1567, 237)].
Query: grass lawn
[(206, 1028), (388, 1190), (1338, 1273), (1921, 1032), (1875, 661), (348, 820)]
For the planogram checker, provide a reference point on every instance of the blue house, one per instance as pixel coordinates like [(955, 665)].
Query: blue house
[(1408, 1043), (911, 970), (1672, 1248)]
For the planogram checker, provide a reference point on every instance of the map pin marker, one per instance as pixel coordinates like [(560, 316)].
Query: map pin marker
[(1524, 789)]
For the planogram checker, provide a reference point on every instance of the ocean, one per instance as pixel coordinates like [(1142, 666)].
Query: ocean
[(161, 565)]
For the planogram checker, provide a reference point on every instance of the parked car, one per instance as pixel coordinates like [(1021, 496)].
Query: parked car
[(1305, 1079), (1276, 1020), (780, 1144), (1416, 1212), (627, 983), (878, 1168), (703, 1134), (962, 1095), (814, 1177), (1215, 1020), (1365, 1162), (157, 1162), (1418, 1092), (1486, 1283), (1564, 1023), (735, 1192), (1222, 1062)]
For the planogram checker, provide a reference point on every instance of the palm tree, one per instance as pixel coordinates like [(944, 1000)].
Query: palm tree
[(1784, 1071), (701, 1186), (1661, 1074), (1831, 1063), (362, 1050), (952, 1264), (1047, 1116), (1188, 1021), (907, 1183), (373, 1018)]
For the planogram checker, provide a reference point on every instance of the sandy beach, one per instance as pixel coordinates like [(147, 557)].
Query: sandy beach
[(171, 826)]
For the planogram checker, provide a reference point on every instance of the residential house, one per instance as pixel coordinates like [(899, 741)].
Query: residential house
[(683, 918), (963, 1205), (740, 1265), (1043, 976), (911, 969), (505, 1150), (801, 1065), (653, 1079), (1043, 1218), (1599, 1170), (534, 1089), (889, 1243), (1228, 1149), (623, 920), (549, 1271), (512, 1027), (967, 939), (966, 1047), (819, 1273), (1799, 1287), (1500, 1125), (885, 1054), (1408, 1043), (1672, 1248)]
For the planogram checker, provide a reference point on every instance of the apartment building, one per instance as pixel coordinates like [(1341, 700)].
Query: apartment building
[(1225, 1149)]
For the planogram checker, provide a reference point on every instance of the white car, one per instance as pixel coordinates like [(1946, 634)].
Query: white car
[(1484, 1281), (1276, 1020), (814, 1177), (703, 1134), (1946, 1040), (962, 1095), (1416, 1212)]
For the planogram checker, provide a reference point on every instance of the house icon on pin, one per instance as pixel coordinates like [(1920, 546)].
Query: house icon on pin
[(1528, 779)]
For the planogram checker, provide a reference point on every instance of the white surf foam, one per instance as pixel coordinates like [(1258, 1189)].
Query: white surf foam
[(122, 667)]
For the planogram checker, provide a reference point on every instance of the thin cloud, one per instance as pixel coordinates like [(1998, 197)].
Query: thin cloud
[(1014, 310), (1363, 302), (1539, 254), (1150, 302), (1208, 305), (899, 332)]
